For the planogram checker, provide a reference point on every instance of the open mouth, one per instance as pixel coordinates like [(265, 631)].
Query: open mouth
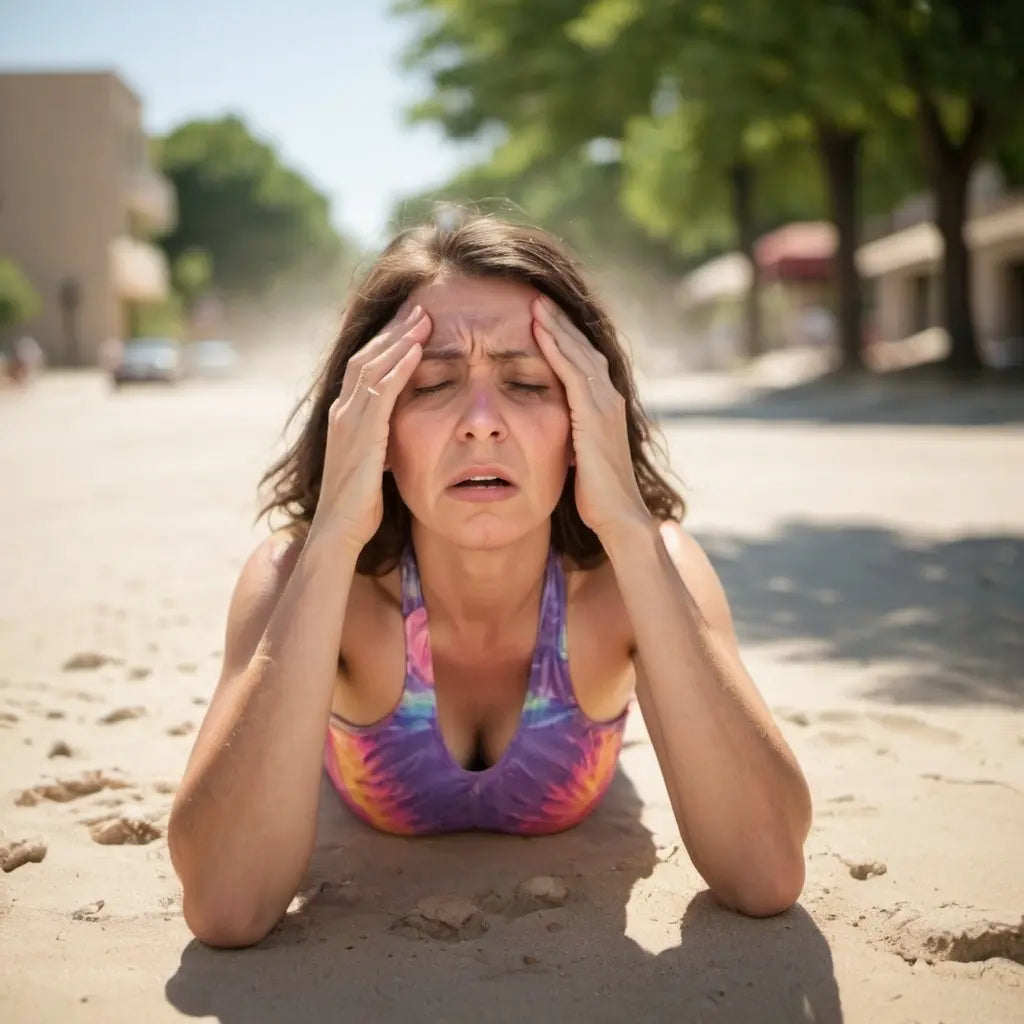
[(483, 481)]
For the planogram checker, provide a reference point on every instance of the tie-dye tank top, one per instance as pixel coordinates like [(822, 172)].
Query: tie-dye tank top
[(399, 775)]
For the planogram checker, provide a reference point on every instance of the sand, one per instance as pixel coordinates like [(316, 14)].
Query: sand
[(872, 544)]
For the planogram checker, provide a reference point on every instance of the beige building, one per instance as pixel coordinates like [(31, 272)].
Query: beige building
[(904, 269), (78, 203)]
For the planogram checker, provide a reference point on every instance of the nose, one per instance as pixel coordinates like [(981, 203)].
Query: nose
[(481, 417)]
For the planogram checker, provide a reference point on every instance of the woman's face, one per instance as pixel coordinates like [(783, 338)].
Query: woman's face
[(483, 403)]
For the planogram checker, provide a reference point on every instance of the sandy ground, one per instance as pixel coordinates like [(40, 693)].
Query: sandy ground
[(872, 543)]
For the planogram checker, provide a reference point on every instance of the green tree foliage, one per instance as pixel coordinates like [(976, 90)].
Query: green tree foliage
[(733, 115), (962, 64), (19, 301), (255, 219), (192, 274)]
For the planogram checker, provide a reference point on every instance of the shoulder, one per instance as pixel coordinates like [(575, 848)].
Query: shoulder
[(698, 574), (257, 590)]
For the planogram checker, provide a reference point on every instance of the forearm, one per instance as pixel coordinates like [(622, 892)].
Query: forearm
[(244, 819), (738, 794)]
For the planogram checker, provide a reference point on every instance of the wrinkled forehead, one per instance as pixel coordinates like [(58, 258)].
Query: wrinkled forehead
[(477, 315)]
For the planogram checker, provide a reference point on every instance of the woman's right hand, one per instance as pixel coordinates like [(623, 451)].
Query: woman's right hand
[(351, 501)]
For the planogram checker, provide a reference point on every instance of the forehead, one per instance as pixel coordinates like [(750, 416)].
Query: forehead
[(470, 309)]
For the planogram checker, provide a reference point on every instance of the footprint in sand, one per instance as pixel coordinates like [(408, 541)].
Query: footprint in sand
[(448, 918), (906, 724), (124, 832), (138, 672), (180, 730), (122, 715), (936, 777), (833, 738), (19, 852), (87, 660), (64, 790), (8, 718), (542, 892), (864, 869), (915, 726), (951, 934), (89, 912), (59, 749)]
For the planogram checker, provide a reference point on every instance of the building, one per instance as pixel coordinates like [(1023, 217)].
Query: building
[(79, 202), (796, 294), (905, 273)]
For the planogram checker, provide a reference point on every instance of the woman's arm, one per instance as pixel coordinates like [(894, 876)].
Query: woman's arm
[(244, 818), (739, 796)]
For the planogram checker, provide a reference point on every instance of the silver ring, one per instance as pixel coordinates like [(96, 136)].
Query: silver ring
[(371, 391), (359, 381)]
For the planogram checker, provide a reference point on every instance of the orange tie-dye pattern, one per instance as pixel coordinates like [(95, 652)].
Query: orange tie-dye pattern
[(370, 797), (568, 804)]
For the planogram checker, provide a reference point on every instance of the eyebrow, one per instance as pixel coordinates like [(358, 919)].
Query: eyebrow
[(504, 355)]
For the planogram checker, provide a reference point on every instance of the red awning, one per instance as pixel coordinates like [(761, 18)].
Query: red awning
[(802, 251)]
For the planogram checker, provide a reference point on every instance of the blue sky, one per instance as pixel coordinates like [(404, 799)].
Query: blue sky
[(320, 79)]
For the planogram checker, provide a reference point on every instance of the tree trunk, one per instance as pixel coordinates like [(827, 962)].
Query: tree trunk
[(840, 156), (742, 177), (950, 168)]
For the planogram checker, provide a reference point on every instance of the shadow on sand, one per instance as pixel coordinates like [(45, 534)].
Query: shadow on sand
[(347, 956), (951, 611), (916, 397)]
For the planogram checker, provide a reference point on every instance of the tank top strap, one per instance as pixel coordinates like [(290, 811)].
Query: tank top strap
[(549, 678), (412, 592)]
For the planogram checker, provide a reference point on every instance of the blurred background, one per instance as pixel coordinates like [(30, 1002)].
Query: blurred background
[(839, 186)]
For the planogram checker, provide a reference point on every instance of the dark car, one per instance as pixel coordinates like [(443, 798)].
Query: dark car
[(149, 359)]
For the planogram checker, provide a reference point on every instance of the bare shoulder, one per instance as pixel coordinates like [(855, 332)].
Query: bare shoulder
[(262, 579), (697, 572)]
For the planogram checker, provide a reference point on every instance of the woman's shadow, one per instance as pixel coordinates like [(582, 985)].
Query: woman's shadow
[(632, 936)]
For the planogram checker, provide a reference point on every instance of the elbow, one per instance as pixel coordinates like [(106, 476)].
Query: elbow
[(771, 890), (769, 900), (224, 926), (762, 882)]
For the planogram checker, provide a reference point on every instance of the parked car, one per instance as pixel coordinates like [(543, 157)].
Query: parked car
[(211, 357), (149, 359)]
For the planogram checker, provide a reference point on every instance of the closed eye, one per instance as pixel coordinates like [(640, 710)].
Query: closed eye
[(431, 389)]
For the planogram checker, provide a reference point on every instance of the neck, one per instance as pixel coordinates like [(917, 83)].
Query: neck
[(474, 593)]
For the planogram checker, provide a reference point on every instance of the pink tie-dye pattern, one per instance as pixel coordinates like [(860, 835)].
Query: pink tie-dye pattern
[(399, 776)]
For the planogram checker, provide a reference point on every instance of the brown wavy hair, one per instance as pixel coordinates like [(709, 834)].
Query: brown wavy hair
[(476, 247)]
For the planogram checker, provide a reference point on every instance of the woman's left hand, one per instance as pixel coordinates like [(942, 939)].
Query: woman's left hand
[(607, 496)]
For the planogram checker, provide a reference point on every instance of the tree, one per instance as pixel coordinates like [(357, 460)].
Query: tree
[(962, 62), (19, 301), (748, 87), (254, 218)]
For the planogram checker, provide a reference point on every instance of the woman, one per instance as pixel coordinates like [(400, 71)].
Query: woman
[(475, 450)]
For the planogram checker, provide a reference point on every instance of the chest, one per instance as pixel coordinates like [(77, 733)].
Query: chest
[(479, 702), (480, 690)]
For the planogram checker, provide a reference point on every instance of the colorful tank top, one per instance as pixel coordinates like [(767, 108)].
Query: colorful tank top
[(399, 775)]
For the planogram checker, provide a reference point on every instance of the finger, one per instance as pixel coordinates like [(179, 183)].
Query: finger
[(371, 362), (416, 337), (568, 373), (386, 391), (395, 329), (570, 340)]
